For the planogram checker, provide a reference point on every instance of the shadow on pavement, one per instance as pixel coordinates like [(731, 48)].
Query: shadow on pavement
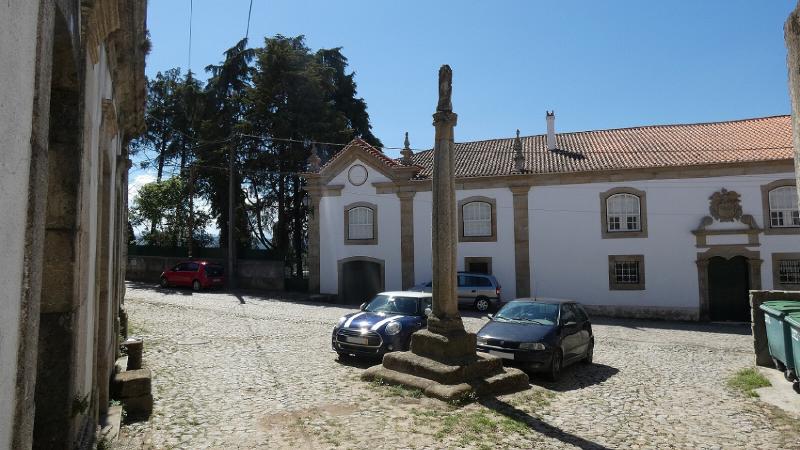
[(359, 363), (576, 376), (741, 328), (140, 286), (538, 425)]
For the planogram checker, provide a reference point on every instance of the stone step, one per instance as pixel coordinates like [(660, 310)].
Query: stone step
[(481, 366), (131, 383), (507, 381)]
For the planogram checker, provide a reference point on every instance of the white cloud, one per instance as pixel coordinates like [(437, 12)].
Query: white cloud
[(136, 184)]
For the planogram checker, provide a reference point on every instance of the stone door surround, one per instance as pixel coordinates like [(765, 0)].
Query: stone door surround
[(754, 262)]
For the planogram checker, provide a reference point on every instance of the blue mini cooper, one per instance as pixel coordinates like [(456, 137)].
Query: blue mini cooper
[(383, 324)]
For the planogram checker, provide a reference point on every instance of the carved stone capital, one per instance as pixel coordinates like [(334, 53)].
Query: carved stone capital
[(445, 118)]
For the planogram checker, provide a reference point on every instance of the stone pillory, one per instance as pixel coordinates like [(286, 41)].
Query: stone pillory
[(443, 361)]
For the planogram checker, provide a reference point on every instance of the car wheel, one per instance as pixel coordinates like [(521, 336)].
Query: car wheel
[(196, 285), (482, 304), (555, 366), (164, 282), (589, 353)]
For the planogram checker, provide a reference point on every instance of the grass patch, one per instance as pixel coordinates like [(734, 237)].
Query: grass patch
[(479, 426), (393, 390), (747, 381)]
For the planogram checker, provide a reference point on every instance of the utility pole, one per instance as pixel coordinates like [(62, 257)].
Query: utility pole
[(231, 241), (191, 210)]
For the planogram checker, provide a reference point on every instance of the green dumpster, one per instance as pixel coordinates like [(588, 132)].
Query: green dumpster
[(778, 335), (793, 320)]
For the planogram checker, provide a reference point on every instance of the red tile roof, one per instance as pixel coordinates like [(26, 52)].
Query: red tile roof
[(362, 144), (749, 140)]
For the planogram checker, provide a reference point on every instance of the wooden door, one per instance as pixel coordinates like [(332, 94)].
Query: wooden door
[(728, 286)]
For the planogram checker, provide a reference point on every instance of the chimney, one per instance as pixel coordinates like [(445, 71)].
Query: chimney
[(551, 130)]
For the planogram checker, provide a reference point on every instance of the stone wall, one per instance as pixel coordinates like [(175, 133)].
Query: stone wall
[(759, 330), (250, 273), (72, 96)]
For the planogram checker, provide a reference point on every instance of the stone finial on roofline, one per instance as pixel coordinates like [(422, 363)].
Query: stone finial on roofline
[(519, 158), (313, 160), (407, 152)]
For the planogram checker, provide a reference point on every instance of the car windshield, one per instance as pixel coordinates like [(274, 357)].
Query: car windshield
[(393, 305), (541, 313)]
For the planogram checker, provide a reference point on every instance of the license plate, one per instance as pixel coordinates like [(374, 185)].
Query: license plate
[(356, 340), (217, 280), (503, 355)]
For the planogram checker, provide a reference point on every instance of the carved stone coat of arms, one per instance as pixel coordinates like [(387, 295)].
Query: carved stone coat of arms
[(726, 206)]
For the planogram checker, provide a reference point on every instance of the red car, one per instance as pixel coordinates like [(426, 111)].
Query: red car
[(197, 274)]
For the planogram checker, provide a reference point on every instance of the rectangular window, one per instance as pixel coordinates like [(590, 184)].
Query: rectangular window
[(360, 223), (626, 272), (789, 271)]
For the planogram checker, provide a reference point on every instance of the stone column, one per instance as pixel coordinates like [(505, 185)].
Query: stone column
[(445, 317), (443, 361), (522, 266), (791, 31), (313, 244), (407, 237)]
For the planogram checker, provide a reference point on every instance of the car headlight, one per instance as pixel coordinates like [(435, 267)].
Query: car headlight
[(531, 346), (482, 340), (341, 322), (393, 328)]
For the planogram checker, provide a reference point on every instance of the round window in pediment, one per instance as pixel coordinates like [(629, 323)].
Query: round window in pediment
[(357, 175)]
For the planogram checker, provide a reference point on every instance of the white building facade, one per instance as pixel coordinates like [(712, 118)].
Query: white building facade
[(675, 221)]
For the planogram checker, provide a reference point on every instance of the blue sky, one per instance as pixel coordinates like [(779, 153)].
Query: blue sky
[(599, 65)]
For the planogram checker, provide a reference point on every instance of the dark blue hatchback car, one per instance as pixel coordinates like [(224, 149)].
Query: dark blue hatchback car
[(540, 334), (383, 324)]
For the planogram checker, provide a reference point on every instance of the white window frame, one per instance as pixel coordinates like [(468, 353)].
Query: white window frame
[(623, 217), (351, 238), (482, 224), (787, 215)]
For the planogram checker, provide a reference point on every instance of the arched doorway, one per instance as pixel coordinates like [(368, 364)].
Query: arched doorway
[(726, 274), (360, 278), (728, 286)]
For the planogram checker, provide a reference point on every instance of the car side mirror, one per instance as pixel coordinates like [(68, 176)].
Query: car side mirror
[(363, 306), (428, 312)]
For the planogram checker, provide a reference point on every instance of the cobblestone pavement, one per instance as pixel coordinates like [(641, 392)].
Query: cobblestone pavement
[(242, 371)]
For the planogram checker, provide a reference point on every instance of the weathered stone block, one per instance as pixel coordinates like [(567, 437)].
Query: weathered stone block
[(453, 347), (134, 348), (480, 366), (141, 406), (131, 383), (509, 380)]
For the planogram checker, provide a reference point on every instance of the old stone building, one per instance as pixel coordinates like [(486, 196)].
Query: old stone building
[(666, 221), (71, 97)]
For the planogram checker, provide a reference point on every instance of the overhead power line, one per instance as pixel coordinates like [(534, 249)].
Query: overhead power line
[(249, 12)]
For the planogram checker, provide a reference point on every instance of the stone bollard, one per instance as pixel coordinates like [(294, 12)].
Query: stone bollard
[(134, 346), (123, 322)]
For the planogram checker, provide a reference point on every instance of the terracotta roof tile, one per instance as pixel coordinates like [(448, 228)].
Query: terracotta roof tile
[(358, 142), (749, 140)]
